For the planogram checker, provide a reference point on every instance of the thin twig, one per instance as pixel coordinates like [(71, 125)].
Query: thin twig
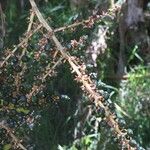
[(55, 30), (10, 133), (52, 69), (35, 88), (28, 31), (30, 21), (83, 22), (18, 75), (20, 44)]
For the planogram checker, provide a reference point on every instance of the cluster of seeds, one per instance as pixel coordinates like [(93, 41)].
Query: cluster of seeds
[(25, 77)]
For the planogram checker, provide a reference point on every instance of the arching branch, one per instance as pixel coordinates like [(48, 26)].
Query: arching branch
[(87, 85)]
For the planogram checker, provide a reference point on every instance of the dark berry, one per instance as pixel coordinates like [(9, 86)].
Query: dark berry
[(47, 47), (93, 122), (68, 46), (101, 112), (43, 57), (36, 47), (11, 123), (111, 106), (2, 131), (14, 60), (10, 79), (122, 123), (140, 148), (104, 94), (132, 143), (103, 123), (34, 100), (17, 68), (25, 58), (5, 103), (23, 98), (41, 94), (127, 137), (13, 112), (30, 147), (115, 140), (14, 100), (130, 132)]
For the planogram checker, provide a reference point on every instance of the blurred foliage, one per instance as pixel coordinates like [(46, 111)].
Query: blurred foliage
[(135, 100)]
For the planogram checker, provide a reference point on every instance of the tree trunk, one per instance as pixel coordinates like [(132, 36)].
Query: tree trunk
[(131, 30), (2, 27)]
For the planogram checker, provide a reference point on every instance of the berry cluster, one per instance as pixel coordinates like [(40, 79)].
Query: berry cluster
[(26, 85)]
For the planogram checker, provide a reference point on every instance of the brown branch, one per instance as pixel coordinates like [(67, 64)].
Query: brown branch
[(83, 22), (52, 69), (82, 77), (73, 25), (55, 30), (19, 45), (10, 133)]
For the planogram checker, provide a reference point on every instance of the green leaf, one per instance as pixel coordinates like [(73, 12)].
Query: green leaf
[(7, 147)]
